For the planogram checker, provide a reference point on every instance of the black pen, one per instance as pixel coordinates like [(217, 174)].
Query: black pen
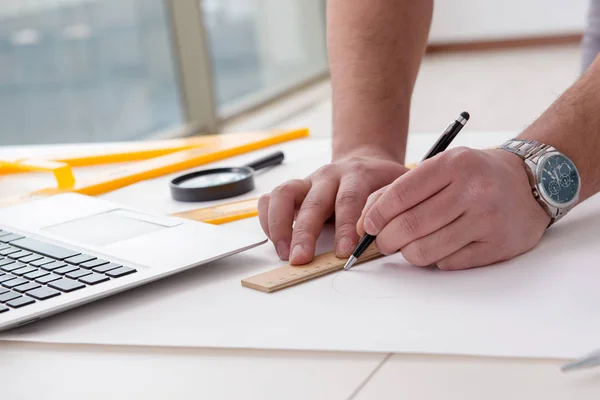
[(440, 145)]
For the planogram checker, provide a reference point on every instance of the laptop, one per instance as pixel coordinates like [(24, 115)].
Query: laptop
[(66, 250)]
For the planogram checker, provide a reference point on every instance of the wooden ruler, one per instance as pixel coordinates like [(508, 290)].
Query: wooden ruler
[(283, 277)]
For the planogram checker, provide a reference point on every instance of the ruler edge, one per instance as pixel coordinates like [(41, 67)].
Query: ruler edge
[(321, 273)]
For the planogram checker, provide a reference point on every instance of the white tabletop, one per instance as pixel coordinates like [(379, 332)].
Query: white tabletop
[(42, 370)]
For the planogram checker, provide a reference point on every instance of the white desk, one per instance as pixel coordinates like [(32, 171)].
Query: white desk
[(53, 371)]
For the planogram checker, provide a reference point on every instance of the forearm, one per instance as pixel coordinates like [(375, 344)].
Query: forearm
[(572, 125), (375, 49)]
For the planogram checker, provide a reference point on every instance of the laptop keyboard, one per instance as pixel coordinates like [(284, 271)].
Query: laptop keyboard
[(32, 270)]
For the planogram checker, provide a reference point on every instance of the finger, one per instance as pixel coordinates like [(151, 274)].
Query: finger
[(475, 254), (314, 211), (370, 201), (351, 198), (282, 205), (440, 244), (263, 213), (410, 189), (423, 219)]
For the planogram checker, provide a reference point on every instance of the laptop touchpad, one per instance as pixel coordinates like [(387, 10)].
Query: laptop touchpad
[(107, 228)]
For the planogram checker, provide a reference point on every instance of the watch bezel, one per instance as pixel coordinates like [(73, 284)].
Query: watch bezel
[(542, 191)]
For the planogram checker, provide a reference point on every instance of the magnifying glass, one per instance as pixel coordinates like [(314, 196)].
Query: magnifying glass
[(220, 183)]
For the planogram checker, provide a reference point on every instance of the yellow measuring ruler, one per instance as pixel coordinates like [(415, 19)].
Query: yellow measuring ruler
[(283, 277), (217, 148)]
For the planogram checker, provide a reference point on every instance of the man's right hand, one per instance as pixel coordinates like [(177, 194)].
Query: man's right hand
[(339, 188)]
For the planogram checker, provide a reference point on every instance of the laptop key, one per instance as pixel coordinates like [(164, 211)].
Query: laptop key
[(119, 272), (25, 270), (66, 285), (43, 293), (65, 270), (38, 273), (94, 279), (8, 250), (27, 287), (10, 238), (3, 308), (14, 282), (80, 259), (48, 278), (3, 290), (21, 302), (31, 258), (93, 263), (106, 267), (11, 267), (19, 254), (4, 246), (6, 262), (46, 249), (8, 296), (78, 274), (6, 278), (54, 265), (41, 261)]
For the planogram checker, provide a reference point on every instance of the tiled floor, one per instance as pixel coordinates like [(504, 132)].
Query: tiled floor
[(503, 90)]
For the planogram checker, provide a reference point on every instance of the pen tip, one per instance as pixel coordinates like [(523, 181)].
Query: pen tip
[(349, 263), (465, 115)]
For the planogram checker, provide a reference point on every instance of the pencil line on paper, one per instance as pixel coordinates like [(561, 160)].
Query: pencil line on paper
[(368, 378)]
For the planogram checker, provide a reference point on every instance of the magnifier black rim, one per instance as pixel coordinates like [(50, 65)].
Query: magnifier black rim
[(216, 192)]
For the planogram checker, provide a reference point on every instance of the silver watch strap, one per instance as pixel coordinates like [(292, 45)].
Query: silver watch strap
[(532, 150), (526, 149)]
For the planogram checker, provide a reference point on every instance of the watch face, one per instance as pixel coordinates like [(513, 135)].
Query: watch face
[(559, 179)]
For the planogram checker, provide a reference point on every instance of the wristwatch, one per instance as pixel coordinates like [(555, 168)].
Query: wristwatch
[(554, 178)]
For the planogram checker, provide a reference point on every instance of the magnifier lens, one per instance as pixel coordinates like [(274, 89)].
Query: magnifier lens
[(209, 180)]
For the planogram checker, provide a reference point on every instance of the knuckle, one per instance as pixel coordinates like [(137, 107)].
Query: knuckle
[(399, 192), (345, 228), (312, 204), (303, 234), (408, 223), (326, 170), (417, 255), (356, 166), (347, 197), (376, 217), (463, 156), (384, 245), (264, 199), (283, 189)]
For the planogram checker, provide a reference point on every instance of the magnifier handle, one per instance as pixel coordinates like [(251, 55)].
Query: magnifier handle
[(270, 160)]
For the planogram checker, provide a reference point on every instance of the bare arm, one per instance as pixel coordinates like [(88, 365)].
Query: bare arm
[(572, 125), (375, 50)]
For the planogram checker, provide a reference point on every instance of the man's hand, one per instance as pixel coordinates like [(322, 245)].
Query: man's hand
[(341, 187), (463, 208)]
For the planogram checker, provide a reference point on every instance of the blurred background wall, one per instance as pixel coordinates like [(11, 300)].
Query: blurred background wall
[(105, 70)]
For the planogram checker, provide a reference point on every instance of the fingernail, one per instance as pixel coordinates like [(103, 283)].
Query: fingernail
[(297, 252), (343, 246), (370, 227), (283, 250)]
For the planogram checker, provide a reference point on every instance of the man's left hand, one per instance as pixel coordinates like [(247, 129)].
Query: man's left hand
[(463, 208)]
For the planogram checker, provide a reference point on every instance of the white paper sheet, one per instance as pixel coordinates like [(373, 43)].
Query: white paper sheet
[(545, 303)]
